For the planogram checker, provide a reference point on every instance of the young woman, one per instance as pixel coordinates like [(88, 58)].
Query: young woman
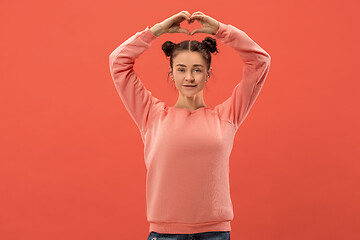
[(187, 146)]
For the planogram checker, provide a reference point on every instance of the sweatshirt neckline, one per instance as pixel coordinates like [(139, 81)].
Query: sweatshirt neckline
[(187, 110)]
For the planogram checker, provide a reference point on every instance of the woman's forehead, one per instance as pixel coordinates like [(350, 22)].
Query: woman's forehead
[(189, 58)]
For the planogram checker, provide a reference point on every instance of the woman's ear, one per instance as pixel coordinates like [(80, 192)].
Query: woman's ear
[(210, 72), (171, 73)]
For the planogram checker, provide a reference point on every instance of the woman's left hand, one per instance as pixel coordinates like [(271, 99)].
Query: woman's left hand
[(209, 25)]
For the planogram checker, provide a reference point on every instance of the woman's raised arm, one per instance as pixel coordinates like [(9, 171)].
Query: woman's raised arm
[(136, 98), (256, 67)]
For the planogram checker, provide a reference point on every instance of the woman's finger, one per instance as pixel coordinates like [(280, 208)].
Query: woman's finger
[(197, 12), (183, 30), (185, 14), (199, 30), (188, 15), (199, 17)]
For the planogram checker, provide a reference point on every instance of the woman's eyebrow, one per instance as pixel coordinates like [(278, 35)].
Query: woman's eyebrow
[(195, 65)]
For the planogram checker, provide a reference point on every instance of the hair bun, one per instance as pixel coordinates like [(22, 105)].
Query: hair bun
[(210, 43), (168, 47)]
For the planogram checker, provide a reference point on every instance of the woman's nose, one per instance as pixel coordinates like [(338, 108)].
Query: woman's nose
[(189, 76)]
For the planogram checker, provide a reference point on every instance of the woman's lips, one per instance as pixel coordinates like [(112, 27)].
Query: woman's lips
[(190, 86)]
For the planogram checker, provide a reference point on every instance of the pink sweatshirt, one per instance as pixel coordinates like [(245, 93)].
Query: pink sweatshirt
[(187, 152)]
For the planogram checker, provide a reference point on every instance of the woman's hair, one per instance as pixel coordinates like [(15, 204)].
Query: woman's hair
[(205, 47)]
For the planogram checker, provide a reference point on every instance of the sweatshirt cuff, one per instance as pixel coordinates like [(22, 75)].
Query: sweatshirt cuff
[(148, 36), (223, 31)]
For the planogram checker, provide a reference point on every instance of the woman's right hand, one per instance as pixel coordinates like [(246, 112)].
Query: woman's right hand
[(172, 24)]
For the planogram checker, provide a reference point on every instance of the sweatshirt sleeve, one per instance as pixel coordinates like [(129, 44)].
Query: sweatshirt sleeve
[(256, 67), (136, 98)]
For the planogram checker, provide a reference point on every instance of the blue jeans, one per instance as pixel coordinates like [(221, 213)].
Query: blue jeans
[(217, 235)]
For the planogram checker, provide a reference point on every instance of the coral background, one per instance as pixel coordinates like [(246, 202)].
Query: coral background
[(71, 159)]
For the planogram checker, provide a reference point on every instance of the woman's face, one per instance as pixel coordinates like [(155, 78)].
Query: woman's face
[(189, 68)]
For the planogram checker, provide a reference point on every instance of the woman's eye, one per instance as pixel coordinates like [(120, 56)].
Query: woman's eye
[(181, 70)]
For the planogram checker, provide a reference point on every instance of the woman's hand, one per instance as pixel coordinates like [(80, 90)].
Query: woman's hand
[(172, 24), (209, 25)]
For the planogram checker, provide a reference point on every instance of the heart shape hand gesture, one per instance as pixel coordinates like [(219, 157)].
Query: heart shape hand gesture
[(172, 24)]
